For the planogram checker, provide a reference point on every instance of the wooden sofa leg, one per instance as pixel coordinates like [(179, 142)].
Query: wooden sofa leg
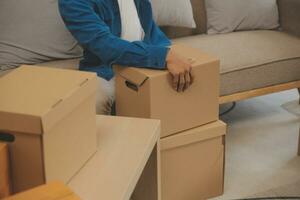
[(299, 94), (299, 128), (299, 145)]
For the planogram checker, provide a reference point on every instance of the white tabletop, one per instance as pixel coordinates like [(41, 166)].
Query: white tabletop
[(125, 145)]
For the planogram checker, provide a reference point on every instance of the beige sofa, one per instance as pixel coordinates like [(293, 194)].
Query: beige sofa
[(253, 63)]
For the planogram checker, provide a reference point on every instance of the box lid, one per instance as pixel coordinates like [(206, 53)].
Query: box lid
[(51, 191), (33, 98), (138, 76), (194, 135)]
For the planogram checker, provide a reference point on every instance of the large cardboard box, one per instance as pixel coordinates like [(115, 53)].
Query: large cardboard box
[(148, 93), (4, 171), (51, 191), (192, 163), (48, 116)]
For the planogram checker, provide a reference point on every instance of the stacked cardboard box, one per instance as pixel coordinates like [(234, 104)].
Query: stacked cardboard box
[(4, 171), (48, 117), (192, 138)]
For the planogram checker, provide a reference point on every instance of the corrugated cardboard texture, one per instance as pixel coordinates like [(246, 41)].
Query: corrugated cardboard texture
[(194, 169), (51, 114), (52, 191), (26, 157), (138, 103), (73, 139), (194, 135), (148, 93), (30, 92), (4, 171)]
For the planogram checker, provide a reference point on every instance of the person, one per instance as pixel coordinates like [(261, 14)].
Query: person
[(121, 32)]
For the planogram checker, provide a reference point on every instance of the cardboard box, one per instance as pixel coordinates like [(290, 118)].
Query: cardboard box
[(192, 163), (148, 93), (51, 191), (48, 115), (4, 171)]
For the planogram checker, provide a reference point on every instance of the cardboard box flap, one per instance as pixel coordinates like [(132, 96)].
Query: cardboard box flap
[(196, 56), (138, 75), (68, 103), (198, 134), (16, 122), (30, 93)]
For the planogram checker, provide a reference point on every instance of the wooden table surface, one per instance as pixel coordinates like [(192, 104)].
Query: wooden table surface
[(125, 145)]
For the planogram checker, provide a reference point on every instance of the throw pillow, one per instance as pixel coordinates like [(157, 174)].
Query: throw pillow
[(173, 13), (224, 16), (33, 32)]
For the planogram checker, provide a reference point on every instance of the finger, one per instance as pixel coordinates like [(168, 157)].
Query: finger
[(192, 79), (175, 82), (187, 80), (191, 60), (181, 83)]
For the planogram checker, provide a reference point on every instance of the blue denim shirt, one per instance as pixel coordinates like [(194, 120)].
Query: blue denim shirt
[(96, 24)]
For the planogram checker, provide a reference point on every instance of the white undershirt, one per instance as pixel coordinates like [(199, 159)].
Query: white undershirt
[(131, 31), (130, 22)]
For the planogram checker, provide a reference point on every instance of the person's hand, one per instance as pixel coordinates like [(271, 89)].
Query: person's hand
[(180, 69)]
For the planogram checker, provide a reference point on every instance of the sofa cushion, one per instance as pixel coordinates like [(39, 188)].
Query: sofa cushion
[(236, 15), (177, 13), (200, 19), (251, 59), (32, 32), (62, 64), (290, 16)]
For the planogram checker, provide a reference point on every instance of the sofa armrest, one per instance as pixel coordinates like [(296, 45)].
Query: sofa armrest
[(289, 11)]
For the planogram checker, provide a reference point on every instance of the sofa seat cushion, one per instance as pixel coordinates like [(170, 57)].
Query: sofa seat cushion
[(251, 59), (62, 64)]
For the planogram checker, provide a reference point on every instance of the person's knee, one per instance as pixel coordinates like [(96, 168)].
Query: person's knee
[(104, 97)]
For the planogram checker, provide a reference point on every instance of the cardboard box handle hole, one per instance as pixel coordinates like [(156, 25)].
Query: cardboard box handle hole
[(6, 137), (132, 86)]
